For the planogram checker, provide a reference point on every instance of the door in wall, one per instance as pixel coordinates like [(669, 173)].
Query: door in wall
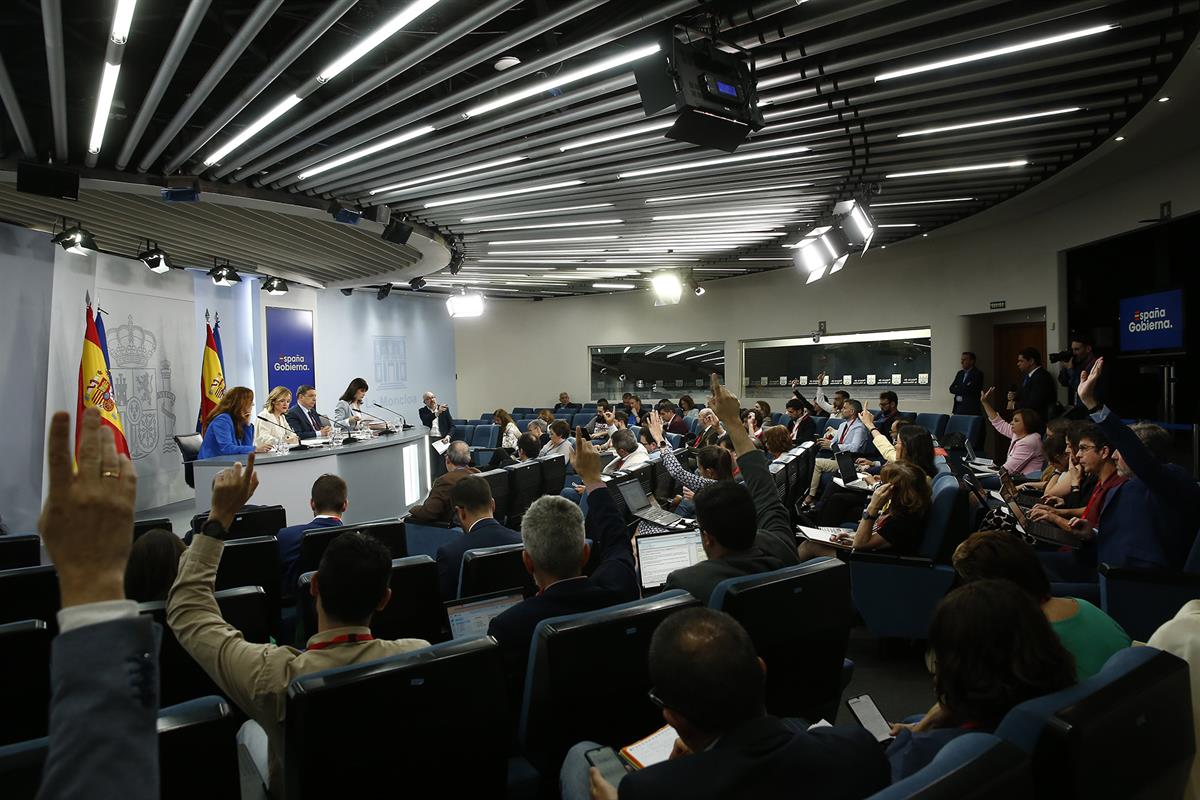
[(1007, 341)]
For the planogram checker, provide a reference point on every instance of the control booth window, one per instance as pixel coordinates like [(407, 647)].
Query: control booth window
[(862, 363), (656, 370)]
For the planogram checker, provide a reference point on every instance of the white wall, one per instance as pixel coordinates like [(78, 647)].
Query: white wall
[(523, 353)]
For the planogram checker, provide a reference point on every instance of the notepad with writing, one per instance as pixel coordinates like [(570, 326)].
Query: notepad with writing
[(827, 535), (654, 749)]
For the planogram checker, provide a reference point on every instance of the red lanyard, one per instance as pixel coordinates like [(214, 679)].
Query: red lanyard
[(345, 638)]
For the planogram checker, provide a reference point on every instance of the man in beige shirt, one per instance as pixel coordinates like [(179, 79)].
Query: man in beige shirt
[(352, 582)]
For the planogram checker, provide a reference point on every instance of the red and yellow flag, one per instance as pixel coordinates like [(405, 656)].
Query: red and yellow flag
[(212, 381), (95, 388)]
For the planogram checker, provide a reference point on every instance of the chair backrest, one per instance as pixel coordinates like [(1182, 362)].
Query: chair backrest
[(485, 436), (264, 521), (25, 691), (415, 610), (521, 410), (180, 677), (974, 766), (500, 482), (334, 717), (314, 542), (145, 525), (20, 550), (554, 474), (253, 562), (675, 440), (189, 448), (463, 432), (946, 492), (581, 419), (799, 619), (30, 593), (934, 423), (522, 425), (205, 725), (969, 425), (525, 480), (490, 569), (831, 424), (1124, 732), (488, 417), (611, 645)]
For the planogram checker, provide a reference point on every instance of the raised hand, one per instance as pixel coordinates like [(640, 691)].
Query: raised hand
[(1087, 384), (868, 418), (654, 423), (725, 405), (986, 397), (879, 497), (586, 459)]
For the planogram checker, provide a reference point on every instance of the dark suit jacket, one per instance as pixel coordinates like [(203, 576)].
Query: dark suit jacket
[(808, 429), (485, 533), (297, 417), (774, 545), (1039, 392), (706, 437), (289, 550), (445, 421), (613, 581), (437, 506), (103, 710), (968, 384), (570, 409), (765, 759), (678, 425)]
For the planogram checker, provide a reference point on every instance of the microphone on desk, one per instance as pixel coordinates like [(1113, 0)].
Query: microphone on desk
[(281, 427), (403, 422), (381, 419)]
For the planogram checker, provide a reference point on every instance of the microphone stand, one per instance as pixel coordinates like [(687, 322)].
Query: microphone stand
[(387, 429), (261, 418), (403, 422)]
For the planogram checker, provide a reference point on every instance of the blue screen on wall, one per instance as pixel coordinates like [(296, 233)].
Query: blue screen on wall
[(1152, 321)]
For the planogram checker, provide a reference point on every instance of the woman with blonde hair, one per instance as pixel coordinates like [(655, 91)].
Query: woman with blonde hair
[(275, 429), (228, 430)]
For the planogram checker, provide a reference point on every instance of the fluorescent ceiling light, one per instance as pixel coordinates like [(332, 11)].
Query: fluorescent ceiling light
[(745, 212), (122, 19), (898, 225), (553, 241), (576, 224), (376, 38), (108, 85), (654, 349), (620, 133), (471, 198), (448, 174), (983, 122), (765, 258), (720, 269), (706, 195), (969, 168), (534, 211), (250, 130), (551, 253), (411, 133), (614, 286), (712, 360), (922, 202), (702, 355), (562, 79), (998, 51), (530, 261), (709, 162), (680, 352)]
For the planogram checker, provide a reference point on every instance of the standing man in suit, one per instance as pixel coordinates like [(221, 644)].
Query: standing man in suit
[(474, 505), (1038, 390), (435, 416), (104, 661), (437, 507), (710, 684), (304, 418), (328, 500), (729, 513), (967, 386)]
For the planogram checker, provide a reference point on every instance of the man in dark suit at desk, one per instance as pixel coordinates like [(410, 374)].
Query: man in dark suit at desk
[(967, 386), (1038, 390), (328, 500), (436, 417), (710, 684), (304, 418), (473, 502), (553, 531)]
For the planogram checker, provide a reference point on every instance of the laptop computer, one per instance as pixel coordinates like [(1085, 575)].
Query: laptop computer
[(640, 504), (850, 479), (979, 463), (1042, 531), (660, 554), (1010, 491), (470, 616)]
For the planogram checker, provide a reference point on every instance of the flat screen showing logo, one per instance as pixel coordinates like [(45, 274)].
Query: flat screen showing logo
[(1152, 321), (289, 348)]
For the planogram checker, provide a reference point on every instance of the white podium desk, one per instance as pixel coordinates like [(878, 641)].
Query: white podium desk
[(386, 476)]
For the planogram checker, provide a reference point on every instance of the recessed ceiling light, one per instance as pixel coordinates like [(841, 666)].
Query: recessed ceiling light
[(506, 62), (1163, 99), (1119, 139), (613, 286)]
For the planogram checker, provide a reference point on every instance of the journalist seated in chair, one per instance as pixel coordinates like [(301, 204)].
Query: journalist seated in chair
[(776, 441), (559, 445), (528, 448), (509, 432), (710, 429), (800, 425), (474, 507), (328, 499), (565, 407), (710, 684), (228, 430), (894, 519), (1025, 449), (437, 508), (687, 407), (990, 648), (712, 464), (272, 426), (849, 437)]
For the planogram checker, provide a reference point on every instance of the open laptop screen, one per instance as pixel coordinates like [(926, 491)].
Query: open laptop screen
[(633, 494), (662, 554), (471, 616), (845, 462)]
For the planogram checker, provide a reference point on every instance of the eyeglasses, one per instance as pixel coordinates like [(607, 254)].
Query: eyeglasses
[(1085, 447), (655, 699)]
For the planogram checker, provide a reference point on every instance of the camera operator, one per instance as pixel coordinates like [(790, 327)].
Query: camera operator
[(1079, 359)]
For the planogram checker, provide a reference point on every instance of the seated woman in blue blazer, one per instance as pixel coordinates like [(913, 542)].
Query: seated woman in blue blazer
[(228, 431)]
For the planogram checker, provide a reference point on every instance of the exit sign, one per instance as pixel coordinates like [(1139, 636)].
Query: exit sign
[(997, 304)]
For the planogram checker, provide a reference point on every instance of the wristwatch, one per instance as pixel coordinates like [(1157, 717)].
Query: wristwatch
[(870, 516), (214, 529)]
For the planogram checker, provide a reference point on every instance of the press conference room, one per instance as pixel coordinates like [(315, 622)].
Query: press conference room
[(600, 399)]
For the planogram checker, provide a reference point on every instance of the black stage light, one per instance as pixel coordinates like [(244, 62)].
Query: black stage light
[(417, 284), (397, 232), (275, 286), (347, 292), (154, 258), (224, 275), (75, 239), (384, 291)]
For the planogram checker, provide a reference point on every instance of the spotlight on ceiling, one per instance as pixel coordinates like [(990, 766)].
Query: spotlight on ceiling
[(75, 240), (456, 258), (855, 221), (154, 258), (417, 284), (667, 288), (823, 250), (224, 275), (506, 62), (344, 214), (384, 291), (397, 232), (465, 305), (275, 286), (346, 292), (696, 288)]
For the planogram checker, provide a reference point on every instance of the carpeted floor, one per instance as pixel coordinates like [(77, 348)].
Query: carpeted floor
[(892, 672)]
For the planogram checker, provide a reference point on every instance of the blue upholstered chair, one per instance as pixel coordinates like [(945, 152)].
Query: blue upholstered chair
[(492, 569), (1142, 599), (582, 419), (934, 423), (969, 425), (975, 766), (521, 410), (486, 417), (485, 436)]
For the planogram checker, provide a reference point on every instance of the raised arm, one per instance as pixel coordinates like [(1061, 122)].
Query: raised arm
[(674, 468), (604, 524), (881, 442), (998, 422)]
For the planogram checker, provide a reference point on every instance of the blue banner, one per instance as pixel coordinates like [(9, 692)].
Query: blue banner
[(1152, 321), (290, 360)]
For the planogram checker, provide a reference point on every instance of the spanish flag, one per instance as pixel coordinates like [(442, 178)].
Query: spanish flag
[(212, 380), (95, 387)]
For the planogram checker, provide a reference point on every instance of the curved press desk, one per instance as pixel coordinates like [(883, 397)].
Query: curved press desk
[(386, 476)]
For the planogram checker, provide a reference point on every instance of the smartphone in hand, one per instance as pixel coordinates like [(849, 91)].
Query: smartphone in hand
[(865, 711), (605, 759)]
